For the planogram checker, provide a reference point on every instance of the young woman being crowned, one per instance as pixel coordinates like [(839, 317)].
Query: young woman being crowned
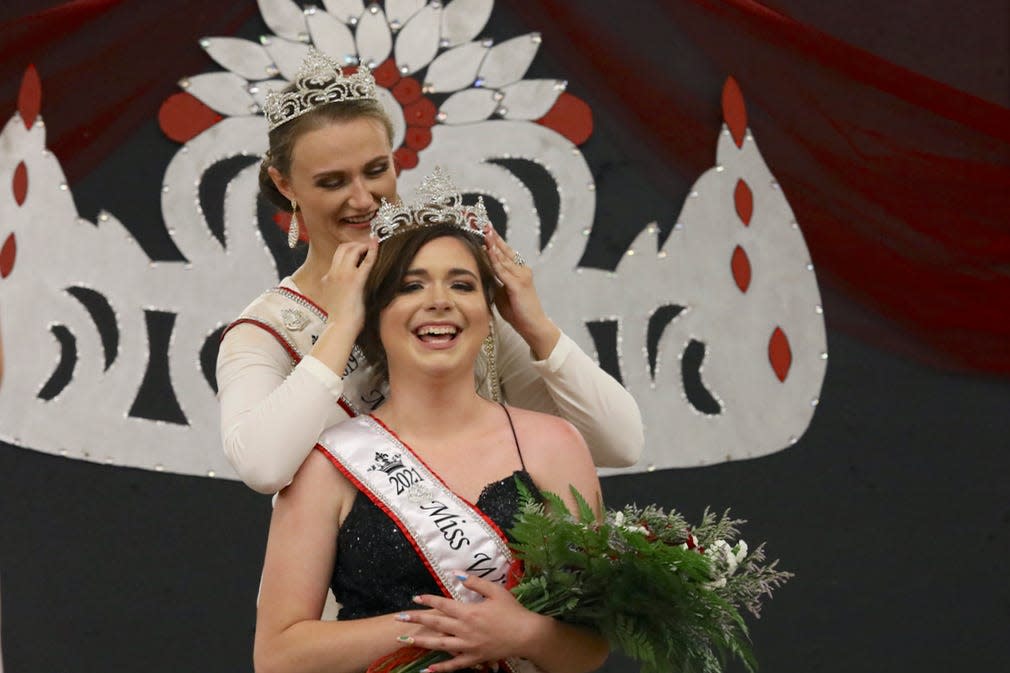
[(401, 513)]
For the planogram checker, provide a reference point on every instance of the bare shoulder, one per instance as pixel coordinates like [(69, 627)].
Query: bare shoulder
[(540, 432), (317, 485), (555, 454)]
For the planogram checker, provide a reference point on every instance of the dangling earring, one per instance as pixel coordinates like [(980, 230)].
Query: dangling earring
[(293, 227), (490, 352)]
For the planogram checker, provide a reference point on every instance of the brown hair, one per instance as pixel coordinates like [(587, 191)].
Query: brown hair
[(282, 138), (386, 278)]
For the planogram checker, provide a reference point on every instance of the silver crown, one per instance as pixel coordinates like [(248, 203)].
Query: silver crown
[(320, 80), (437, 202)]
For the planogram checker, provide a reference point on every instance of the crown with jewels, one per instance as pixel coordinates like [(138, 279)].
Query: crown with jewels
[(437, 202), (319, 80)]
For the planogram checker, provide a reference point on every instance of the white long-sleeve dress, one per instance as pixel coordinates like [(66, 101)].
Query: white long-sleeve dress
[(276, 400)]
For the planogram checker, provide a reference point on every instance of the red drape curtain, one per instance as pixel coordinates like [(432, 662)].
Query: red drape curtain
[(107, 65), (898, 181)]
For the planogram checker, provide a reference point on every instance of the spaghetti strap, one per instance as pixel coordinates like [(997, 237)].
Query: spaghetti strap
[(514, 437)]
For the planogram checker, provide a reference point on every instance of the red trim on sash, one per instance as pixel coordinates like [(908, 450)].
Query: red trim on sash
[(341, 402), (346, 407), (304, 298), (472, 505), (392, 515)]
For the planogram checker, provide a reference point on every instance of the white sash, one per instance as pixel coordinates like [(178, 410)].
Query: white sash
[(448, 533), (295, 322)]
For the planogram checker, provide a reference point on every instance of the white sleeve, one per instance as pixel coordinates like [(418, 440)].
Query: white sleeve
[(271, 414), (569, 384)]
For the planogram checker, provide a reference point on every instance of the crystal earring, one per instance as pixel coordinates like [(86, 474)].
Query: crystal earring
[(491, 355), (293, 227)]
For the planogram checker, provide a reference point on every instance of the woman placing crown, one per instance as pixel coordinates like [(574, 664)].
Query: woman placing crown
[(288, 367), (404, 509)]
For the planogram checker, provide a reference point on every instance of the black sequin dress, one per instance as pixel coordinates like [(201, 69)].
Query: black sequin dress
[(377, 571)]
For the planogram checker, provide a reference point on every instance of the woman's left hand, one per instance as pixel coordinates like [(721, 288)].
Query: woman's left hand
[(517, 298), (475, 633)]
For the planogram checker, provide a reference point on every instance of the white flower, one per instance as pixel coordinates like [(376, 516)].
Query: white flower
[(728, 554), (741, 551), (618, 521)]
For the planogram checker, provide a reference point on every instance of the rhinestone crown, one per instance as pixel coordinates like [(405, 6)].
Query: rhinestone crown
[(437, 202), (319, 80)]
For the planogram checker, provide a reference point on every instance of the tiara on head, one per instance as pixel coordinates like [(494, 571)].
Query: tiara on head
[(438, 202), (319, 80)]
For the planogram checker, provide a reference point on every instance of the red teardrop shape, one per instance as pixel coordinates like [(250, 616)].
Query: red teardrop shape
[(407, 90), (20, 183), (733, 110), (182, 117), (779, 354), (405, 159), (420, 113), (743, 198), (7, 254), (740, 265), (30, 96), (571, 117), (417, 138), (386, 75)]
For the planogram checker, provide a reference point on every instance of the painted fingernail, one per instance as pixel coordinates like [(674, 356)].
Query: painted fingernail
[(417, 599), (405, 639), (460, 575), (403, 617), (425, 670)]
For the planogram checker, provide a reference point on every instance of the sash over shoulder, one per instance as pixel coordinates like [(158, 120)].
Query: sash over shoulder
[(448, 533), (295, 321)]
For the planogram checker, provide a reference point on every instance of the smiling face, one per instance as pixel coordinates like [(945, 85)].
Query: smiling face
[(439, 316), (338, 175)]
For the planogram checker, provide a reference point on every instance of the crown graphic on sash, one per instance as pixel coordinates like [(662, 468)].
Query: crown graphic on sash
[(386, 463)]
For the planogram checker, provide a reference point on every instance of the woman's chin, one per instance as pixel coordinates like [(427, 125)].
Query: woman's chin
[(352, 233)]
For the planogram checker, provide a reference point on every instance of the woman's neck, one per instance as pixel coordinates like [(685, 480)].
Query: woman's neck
[(309, 276), (422, 405)]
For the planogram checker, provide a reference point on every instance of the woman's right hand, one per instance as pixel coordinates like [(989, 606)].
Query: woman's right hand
[(342, 293)]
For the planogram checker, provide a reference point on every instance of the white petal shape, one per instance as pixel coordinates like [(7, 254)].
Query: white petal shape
[(223, 92), (507, 62), (287, 55), (463, 20), (332, 37), (374, 39), (242, 57), (399, 12), (417, 43), (395, 114), (284, 18), (530, 98), (469, 105), (345, 10), (259, 90), (456, 68)]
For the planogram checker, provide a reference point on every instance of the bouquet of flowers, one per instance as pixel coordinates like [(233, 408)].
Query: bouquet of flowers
[(662, 592)]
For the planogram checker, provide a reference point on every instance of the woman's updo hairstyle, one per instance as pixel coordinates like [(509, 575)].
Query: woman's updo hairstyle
[(282, 138), (386, 278)]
